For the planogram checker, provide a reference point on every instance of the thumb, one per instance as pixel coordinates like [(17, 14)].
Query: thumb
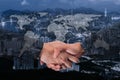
[(56, 52), (71, 52), (73, 49)]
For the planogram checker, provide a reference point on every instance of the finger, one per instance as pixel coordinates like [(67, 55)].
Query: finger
[(41, 62), (53, 66), (56, 67), (64, 67), (71, 52), (67, 63), (50, 65), (59, 49), (79, 55), (73, 59)]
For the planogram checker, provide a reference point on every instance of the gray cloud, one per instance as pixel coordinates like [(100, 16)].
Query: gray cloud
[(43, 4)]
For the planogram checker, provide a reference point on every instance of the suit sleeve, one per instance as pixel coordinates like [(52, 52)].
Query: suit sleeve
[(85, 43), (32, 44)]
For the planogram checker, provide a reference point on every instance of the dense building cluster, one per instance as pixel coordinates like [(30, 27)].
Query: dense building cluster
[(100, 34)]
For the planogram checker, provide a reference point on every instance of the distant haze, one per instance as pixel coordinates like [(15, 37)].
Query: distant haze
[(111, 5)]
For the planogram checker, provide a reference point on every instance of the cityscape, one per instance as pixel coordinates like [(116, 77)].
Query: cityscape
[(99, 30)]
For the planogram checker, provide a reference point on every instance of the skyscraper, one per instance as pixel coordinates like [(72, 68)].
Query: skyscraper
[(105, 12)]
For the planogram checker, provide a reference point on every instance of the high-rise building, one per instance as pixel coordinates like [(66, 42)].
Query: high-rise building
[(26, 62), (105, 12)]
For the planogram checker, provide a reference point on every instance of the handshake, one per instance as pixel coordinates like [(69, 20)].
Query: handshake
[(58, 55)]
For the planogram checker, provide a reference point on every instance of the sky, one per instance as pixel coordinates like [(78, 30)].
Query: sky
[(111, 5)]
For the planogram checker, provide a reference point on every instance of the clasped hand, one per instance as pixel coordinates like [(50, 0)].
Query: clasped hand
[(58, 55)]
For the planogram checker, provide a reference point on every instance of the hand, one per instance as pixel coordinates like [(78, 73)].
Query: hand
[(63, 61), (55, 47), (74, 49), (58, 47)]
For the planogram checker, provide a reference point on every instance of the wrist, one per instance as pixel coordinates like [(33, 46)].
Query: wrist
[(44, 49)]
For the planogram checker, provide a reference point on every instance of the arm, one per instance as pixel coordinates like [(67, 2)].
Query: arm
[(31, 43), (19, 44), (85, 42)]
